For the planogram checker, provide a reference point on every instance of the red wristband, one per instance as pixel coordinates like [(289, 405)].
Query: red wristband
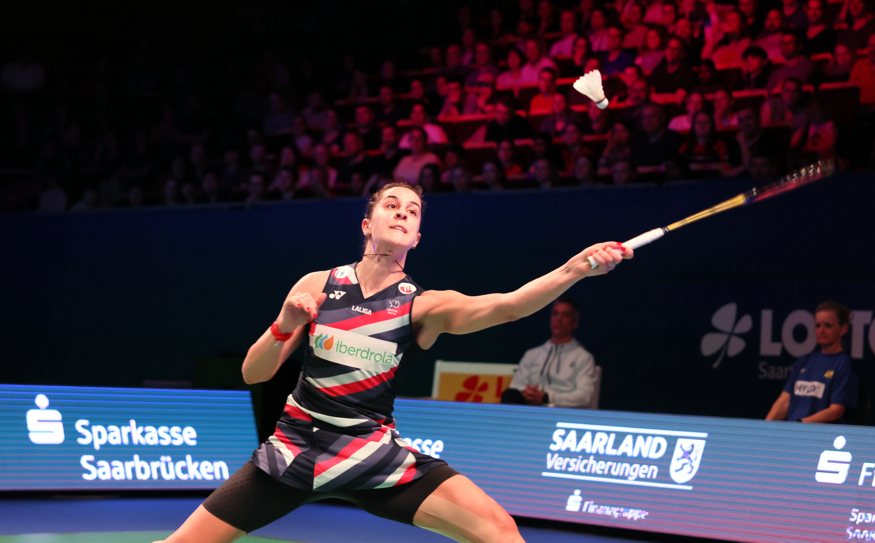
[(278, 334)]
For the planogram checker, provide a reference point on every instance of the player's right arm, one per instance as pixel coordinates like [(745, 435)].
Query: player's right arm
[(266, 355)]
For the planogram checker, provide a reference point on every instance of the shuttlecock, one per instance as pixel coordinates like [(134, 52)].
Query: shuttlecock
[(590, 85)]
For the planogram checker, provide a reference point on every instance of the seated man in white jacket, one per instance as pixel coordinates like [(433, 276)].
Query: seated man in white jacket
[(560, 372)]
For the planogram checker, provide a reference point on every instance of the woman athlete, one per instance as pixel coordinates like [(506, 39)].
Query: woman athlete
[(336, 437)]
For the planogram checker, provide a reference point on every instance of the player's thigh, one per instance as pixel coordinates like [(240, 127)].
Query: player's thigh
[(463, 511)]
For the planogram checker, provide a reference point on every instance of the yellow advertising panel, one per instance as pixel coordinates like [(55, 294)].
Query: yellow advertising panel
[(476, 382)]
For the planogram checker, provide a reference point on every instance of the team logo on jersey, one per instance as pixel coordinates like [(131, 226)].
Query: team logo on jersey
[(341, 273), (324, 341), (337, 294), (406, 288), (393, 307)]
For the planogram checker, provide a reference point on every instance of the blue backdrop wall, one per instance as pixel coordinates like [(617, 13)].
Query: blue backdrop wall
[(702, 322)]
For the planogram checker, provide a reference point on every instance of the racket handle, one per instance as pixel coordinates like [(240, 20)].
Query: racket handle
[(634, 243)]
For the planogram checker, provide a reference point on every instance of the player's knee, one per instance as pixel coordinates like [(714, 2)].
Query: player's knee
[(504, 529)]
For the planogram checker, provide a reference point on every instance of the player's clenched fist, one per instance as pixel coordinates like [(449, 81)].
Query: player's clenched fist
[(299, 308)]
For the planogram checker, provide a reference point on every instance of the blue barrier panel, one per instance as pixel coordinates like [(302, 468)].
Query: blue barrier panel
[(81, 438), (738, 480)]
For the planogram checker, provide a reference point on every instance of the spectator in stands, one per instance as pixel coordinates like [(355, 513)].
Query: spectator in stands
[(419, 93), (22, 75), (455, 68), (822, 385), (707, 78), (212, 191), (561, 115), (618, 147), (819, 34), (53, 198), (482, 66), (388, 109), (672, 74), (355, 166), (492, 175), (543, 173), (702, 145), (654, 144), (788, 109), (763, 167), (312, 184), (635, 31), (581, 56), (756, 69), (564, 46), (454, 157), (469, 43), (622, 173), (793, 14), (796, 64), (752, 140), (856, 22), (535, 62), (506, 154), (543, 147), (584, 172), (279, 119), (430, 178), (724, 48), (506, 125), (282, 188), (615, 59), (652, 53), (694, 102), (598, 31), (383, 165), (573, 148), (316, 112), (301, 136), (496, 30), (543, 101), (419, 119), (454, 103), (863, 75), (751, 16), (725, 117), (409, 166), (512, 78), (691, 43), (772, 35), (365, 126), (333, 134), (821, 133), (322, 161), (841, 61), (481, 98), (548, 22)]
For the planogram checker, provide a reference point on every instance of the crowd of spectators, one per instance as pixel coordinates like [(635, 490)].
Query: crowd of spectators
[(699, 90)]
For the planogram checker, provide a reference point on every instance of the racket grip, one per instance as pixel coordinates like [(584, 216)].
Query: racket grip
[(634, 243)]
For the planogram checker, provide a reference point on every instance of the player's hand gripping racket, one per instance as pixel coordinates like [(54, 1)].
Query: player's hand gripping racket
[(794, 180)]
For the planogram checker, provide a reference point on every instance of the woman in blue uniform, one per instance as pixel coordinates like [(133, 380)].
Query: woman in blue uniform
[(336, 437), (822, 384)]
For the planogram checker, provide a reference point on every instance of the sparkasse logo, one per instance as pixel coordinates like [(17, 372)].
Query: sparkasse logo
[(44, 426)]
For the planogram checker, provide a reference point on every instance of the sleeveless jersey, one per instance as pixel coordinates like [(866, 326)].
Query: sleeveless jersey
[(337, 430)]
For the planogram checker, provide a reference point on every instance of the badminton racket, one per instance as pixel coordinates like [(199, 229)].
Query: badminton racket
[(791, 181)]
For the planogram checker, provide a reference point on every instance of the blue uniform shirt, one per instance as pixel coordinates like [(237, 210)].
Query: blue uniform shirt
[(819, 380)]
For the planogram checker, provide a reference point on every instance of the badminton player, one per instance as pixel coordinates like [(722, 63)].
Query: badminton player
[(336, 437)]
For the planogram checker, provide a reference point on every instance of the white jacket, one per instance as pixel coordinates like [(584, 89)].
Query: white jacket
[(566, 372)]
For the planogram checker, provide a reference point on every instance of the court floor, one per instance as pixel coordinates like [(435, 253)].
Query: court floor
[(103, 519)]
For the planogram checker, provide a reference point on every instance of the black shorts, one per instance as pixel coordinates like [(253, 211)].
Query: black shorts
[(251, 499)]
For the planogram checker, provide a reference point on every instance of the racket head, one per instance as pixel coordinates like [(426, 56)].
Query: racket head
[(798, 178)]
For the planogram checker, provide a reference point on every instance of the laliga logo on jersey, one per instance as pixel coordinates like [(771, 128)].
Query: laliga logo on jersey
[(834, 465), (406, 288), (44, 426), (324, 342), (685, 460)]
